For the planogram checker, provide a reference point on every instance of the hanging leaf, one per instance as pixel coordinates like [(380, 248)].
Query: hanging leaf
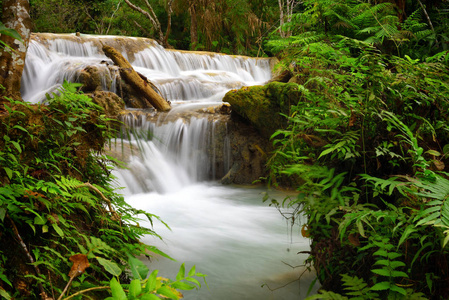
[(117, 291), (80, 264), (9, 32), (138, 268), (110, 266), (135, 288)]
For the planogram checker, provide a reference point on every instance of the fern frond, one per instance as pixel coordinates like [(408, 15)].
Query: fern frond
[(437, 211), (84, 197), (357, 287), (68, 183), (386, 186)]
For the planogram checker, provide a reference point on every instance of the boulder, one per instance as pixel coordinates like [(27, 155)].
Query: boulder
[(111, 103), (90, 77), (262, 106), (249, 153)]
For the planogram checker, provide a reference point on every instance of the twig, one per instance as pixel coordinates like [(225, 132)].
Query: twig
[(112, 16), (30, 258), (91, 187), (66, 287), (88, 290), (428, 18), (288, 283)]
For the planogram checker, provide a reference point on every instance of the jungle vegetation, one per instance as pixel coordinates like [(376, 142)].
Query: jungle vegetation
[(366, 147)]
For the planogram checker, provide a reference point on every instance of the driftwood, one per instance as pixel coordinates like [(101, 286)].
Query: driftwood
[(137, 82)]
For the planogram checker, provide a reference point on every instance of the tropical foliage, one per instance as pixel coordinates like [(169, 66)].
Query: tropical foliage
[(367, 148), (229, 26), (59, 213)]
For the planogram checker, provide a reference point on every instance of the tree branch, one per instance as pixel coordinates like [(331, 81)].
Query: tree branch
[(30, 257), (428, 20), (88, 290), (153, 18), (109, 203), (112, 17)]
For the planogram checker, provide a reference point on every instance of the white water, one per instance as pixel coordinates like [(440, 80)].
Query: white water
[(179, 76), (227, 232)]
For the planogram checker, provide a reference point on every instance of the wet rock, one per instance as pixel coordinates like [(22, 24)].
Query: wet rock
[(90, 77), (248, 153), (132, 97), (262, 106), (283, 76), (111, 103)]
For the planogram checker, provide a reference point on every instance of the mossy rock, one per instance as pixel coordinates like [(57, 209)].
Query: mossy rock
[(262, 105), (111, 103)]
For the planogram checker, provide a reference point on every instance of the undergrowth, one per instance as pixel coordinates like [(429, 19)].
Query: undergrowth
[(65, 232), (368, 150)]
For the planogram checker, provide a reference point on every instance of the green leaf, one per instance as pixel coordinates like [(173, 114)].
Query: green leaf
[(152, 281), (167, 292), (381, 286), (383, 262), (20, 128), (17, 145), (5, 279), (8, 172), (135, 288), (181, 273), (182, 286), (398, 289), (408, 230), (9, 32), (396, 264), (382, 272), (110, 266), (398, 274), (117, 291), (138, 268), (393, 255), (58, 229), (39, 220), (2, 213), (150, 297), (192, 271), (381, 252), (191, 279), (4, 294)]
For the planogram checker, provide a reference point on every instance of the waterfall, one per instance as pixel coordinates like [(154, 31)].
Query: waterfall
[(179, 148), (173, 159), (169, 155), (180, 75)]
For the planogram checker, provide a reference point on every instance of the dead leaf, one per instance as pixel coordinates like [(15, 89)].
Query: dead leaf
[(439, 165), (80, 264), (305, 231), (352, 119), (354, 239)]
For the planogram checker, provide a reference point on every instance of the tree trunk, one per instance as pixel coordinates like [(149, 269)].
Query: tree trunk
[(152, 17), (15, 16), (135, 80), (169, 16), (193, 26)]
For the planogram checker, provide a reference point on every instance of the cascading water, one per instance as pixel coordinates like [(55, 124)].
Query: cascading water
[(227, 232)]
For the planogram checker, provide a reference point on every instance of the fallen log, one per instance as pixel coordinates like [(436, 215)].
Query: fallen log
[(135, 80)]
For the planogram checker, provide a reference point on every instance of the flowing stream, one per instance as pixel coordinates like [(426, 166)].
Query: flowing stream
[(240, 242)]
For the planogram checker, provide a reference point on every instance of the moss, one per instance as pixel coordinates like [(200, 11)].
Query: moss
[(262, 106)]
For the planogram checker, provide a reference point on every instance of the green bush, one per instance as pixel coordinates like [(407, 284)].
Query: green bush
[(367, 150), (58, 211)]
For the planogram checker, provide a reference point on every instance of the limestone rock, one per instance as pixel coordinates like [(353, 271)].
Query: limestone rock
[(261, 106), (111, 103), (90, 77), (249, 153)]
